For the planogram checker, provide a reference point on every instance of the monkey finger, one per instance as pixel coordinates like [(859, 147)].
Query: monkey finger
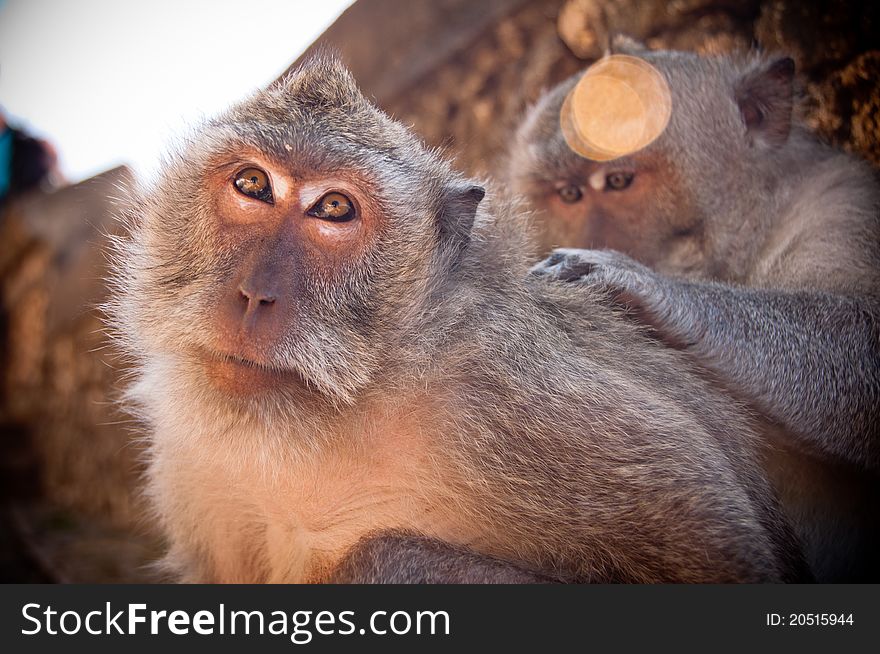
[(555, 257), (568, 264), (565, 271)]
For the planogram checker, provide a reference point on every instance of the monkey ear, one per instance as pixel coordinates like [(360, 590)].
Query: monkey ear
[(765, 100), (460, 202)]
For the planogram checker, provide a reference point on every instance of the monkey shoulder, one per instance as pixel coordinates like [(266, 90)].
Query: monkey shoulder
[(827, 216)]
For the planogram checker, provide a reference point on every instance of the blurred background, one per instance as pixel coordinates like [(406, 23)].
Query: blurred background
[(91, 91)]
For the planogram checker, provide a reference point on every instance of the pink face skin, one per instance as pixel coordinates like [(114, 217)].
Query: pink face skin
[(277, 243)]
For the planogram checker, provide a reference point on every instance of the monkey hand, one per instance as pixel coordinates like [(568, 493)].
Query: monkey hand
[(647, 296), (628, 281)]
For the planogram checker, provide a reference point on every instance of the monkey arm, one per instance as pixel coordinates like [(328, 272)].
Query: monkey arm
[(808, 360), (397, 558)]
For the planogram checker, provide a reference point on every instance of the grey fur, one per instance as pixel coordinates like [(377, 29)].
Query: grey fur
[(405, 559), (562, 441), (759, 254)]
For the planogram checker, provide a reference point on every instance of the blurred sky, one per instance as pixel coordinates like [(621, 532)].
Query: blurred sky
[(109, 81)]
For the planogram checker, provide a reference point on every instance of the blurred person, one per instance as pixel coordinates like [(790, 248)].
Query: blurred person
[(26, 162)]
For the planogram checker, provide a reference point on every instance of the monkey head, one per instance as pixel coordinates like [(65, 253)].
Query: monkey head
[(289, 242), (674, 204)]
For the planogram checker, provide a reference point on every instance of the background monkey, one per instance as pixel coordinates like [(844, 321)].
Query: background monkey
[(343, 370), (756, 249)]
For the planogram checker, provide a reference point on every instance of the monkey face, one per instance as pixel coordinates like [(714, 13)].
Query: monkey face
[(277, 249), (635, 204), (297, 243), (631, 205), (672, 204)]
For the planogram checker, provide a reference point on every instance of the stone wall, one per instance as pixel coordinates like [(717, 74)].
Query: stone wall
[(462, 72)]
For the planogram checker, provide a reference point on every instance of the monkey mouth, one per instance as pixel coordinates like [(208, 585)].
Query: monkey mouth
[(241, 376)]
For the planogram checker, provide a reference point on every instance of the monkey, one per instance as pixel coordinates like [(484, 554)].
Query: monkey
[(741, 239), (347, 374)]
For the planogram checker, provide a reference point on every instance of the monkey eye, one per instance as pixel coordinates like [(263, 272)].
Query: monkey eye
[(334, 207), (254, 183), (570, 193), (618, 181)]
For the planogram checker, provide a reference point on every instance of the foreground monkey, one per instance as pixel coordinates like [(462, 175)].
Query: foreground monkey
[(758, 251), (347, 379)]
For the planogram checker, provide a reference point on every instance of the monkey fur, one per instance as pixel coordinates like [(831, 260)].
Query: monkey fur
[(391, 397), (740, 238)]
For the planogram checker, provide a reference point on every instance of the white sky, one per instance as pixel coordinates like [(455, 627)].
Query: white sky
[(110, 82)]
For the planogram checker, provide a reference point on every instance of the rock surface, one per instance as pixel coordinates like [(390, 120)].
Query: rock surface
[(463, 72), (69, 464)]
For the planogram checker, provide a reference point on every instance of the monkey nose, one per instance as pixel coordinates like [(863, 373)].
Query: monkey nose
[(252, 313), (255, 308), (256, 298)]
